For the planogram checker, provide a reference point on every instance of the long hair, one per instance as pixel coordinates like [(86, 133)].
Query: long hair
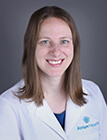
[(72, 83)]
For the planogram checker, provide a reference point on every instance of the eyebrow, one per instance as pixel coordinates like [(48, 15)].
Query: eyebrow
[(50, 38), (66, 37), (43, 38)]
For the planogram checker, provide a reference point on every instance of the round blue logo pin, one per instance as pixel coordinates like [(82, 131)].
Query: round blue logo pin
[(86, 119)]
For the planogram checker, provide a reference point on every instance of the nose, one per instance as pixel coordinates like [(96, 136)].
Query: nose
[(55, 50)]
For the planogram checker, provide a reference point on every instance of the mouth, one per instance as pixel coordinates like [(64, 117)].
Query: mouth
[(55, 62)]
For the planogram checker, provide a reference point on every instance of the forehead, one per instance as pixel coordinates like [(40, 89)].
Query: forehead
[(53, 25)]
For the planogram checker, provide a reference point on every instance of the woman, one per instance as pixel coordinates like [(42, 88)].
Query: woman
[(52, 102)]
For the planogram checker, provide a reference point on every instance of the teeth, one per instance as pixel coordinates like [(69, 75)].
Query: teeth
[(55, 62)]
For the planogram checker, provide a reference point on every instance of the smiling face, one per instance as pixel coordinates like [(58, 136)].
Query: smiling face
[(54, 50)]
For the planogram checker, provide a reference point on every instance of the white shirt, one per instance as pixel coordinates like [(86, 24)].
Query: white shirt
[(20, 120)]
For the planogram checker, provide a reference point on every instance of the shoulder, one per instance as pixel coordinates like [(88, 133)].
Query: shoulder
[(10, 108), (93, 92), (9, 94), (90, 87), (8, 101), (11, 104), (88, 83)]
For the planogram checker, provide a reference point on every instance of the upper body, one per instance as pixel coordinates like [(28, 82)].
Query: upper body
[(52, 85), (21, 120)]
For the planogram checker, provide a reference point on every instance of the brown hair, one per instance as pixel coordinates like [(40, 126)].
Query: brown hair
[(72, 83)]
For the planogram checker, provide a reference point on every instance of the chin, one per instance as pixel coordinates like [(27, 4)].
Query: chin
[(56, 74)]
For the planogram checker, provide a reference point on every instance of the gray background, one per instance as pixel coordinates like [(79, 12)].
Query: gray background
[(91, 20)]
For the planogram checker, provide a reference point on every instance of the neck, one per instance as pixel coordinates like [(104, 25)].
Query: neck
[(52, 85), (54, 93)]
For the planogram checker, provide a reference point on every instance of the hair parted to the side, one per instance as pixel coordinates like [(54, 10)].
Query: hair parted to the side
[(72, 83)]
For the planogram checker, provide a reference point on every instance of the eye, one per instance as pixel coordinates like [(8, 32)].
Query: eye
[(64, 41), (45, 42)]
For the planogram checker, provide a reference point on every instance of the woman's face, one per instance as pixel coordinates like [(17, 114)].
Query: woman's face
[(54, 50)]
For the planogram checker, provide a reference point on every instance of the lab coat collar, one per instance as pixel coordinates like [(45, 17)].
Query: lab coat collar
[(45, 114), (73, 113)]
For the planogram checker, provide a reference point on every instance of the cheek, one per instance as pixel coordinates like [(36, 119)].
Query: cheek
[(37, 55), (40, 53), (69, 51)]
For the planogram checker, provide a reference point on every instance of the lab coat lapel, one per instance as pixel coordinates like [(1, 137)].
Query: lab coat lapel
[(73, 113), (45, 114)]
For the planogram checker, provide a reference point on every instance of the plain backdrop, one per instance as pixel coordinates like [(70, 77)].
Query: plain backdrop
[(91, 20)]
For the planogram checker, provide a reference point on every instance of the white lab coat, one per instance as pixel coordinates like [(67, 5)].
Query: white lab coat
[(20, 120)]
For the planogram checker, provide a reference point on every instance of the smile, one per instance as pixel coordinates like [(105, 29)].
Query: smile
[(55, 62)]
